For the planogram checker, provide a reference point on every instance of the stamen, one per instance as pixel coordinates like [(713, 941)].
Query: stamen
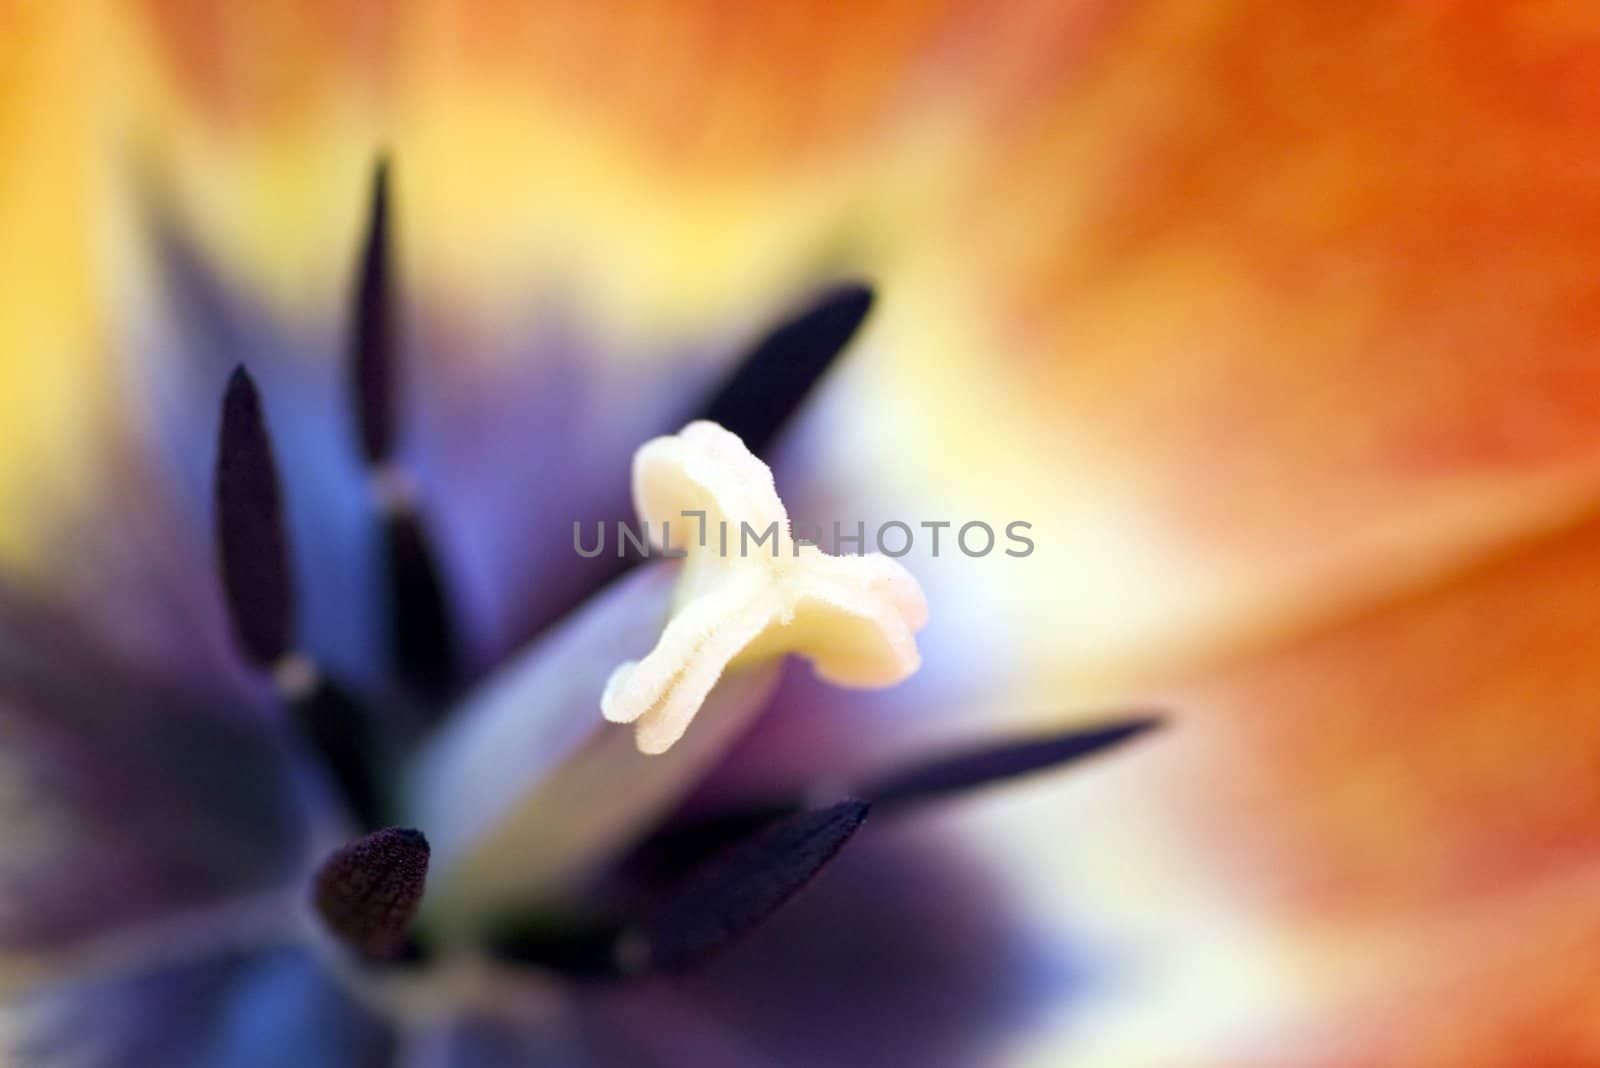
[(252, 548), (421, 635), (369, 891), (346, 735), (392, 489), (770, 383), (374, 335), (747, 879), (679, 846), (734, 892), (972, 768), (853, 617), (296, 677), (424, 648)]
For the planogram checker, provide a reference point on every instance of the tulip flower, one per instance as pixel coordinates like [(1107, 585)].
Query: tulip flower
[(332, 333)]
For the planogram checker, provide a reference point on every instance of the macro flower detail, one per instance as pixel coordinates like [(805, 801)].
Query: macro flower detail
[(368, 892), (853, 617), (1272, 324), (445, 839)]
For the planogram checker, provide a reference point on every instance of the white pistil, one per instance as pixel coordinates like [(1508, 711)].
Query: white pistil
[(740, 602)]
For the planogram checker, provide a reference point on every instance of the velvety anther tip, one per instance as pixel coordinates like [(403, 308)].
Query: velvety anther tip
[(252, 546), (769, 384), (368, 892), (732, 893), (982, 766)]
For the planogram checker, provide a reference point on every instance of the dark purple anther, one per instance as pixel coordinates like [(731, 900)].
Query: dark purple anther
[(252, 548), (983, 765), (373, 337), (768, 385), (369, 891), (733, 892)]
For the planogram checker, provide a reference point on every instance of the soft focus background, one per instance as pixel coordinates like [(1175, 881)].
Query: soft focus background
[(1276, 320)]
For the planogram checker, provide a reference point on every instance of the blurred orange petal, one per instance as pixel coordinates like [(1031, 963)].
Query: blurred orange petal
[(1310, 291), (1410, 796)]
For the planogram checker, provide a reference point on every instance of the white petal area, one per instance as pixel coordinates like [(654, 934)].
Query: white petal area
[(524, 789), (1193, 958), (746, 603)]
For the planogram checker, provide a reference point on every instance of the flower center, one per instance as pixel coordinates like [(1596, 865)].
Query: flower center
[(737, 605)]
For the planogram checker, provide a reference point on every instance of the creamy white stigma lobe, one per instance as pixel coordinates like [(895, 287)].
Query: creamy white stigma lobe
[(740, 601)]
